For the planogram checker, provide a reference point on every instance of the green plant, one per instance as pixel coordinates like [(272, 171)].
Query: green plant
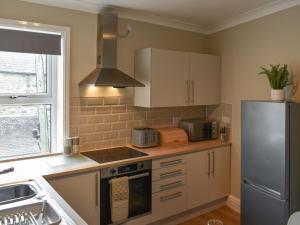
[(278, 76)]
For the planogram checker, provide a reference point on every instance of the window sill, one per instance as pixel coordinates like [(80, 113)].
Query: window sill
[(24, 157)]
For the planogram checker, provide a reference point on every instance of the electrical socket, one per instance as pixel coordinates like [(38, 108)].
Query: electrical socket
[(225, 119), (175, 120)]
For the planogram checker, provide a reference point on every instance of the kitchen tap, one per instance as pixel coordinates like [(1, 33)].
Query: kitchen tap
[(8, 170)]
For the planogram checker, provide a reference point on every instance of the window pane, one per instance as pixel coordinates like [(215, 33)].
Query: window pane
[(25, 130), (23, 73)]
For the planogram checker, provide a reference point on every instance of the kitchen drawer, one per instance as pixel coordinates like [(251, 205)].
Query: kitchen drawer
[(168, 203), (167, 162), (168, 172), (168, 184)]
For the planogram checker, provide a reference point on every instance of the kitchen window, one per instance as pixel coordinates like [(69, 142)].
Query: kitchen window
[(33, 89)]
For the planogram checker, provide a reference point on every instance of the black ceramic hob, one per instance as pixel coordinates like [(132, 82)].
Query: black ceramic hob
[(113, 154)]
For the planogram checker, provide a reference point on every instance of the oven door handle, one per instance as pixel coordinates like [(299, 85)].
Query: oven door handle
[(137, 176)]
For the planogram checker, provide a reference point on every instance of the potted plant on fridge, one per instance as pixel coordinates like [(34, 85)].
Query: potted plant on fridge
[(278, 77)]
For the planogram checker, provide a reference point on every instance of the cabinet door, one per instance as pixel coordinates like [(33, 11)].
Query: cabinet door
[(169, 77), (81, 192), (168, 203), (205, 79), (197, 179), (220, 173)]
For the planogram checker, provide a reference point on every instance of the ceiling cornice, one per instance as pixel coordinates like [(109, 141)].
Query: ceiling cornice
[(155, 19), (79, 5), (92, 7), (262, 11)]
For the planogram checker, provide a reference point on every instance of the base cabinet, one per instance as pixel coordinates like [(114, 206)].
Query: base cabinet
[(168, 187), (81, 192), (220, 178), (197, 179), (208, 176), (168, 203), (179, 183)]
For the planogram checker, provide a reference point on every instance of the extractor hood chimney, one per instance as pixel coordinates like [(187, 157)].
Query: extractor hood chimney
[(108, 74)]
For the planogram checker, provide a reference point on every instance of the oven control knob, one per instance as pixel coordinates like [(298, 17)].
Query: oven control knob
[(113, 171), (142, 165)]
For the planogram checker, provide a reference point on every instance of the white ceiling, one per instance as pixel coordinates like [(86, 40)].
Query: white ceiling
[(203, 16)]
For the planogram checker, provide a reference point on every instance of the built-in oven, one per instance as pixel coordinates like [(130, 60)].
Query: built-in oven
[(139, 180)]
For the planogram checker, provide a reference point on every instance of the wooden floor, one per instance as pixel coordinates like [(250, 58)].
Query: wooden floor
[(227, 215)]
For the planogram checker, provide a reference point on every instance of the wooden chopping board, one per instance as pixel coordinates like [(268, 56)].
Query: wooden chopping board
[(172, 136)]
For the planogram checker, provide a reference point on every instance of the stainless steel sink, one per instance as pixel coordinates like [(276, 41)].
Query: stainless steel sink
[(16, 192), (22, 204)]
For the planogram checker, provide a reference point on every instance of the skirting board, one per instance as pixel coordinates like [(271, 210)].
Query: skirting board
[(234, 203), (185, 216)]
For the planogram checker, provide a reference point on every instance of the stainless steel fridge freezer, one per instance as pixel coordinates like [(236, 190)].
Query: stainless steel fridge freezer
[(270, 162)]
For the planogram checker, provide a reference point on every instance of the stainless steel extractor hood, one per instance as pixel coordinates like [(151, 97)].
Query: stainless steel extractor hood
[(108, 74)]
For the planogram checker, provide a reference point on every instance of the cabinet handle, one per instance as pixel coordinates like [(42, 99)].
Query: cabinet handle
[(213, 170), (170, 163), (170, 185), (193, 92), (208, 169), (169, 197), (188, 91), (171, 174), (97, 189)]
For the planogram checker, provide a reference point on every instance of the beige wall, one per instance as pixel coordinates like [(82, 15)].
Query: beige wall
[(272, 39), (146, 35)]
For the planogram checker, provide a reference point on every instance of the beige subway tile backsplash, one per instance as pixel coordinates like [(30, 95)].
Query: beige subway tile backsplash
[(119, 109), (102, 144), (118, 126), (103, 127), (126, 117), (103, 110), (108, 121), (87, 110), (110, 135), (111, 118), (125, 133), (221, 113), (95, 119), (94, 137), (83, 129), (118, 142)]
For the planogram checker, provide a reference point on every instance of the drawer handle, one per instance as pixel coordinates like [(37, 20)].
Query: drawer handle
[(171, 174), (170, 185), (170, 163), (170, 197)]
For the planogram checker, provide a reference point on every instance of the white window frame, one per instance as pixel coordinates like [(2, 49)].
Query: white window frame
[(63, 82)]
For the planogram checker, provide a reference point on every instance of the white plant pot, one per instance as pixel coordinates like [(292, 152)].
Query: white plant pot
[(277, 94)]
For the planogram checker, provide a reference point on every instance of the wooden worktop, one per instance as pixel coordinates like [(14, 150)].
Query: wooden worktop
[(60, 165)]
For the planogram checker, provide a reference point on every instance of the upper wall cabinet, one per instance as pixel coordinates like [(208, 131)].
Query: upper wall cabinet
[(174, 78), (204, 79), (165, 74)]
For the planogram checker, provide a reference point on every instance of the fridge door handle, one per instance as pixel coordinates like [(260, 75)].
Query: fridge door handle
[(269, 191)]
